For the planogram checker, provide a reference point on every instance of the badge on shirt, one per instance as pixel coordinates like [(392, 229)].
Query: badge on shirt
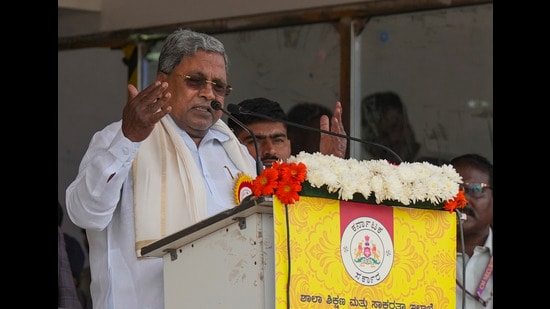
[(243, 187)]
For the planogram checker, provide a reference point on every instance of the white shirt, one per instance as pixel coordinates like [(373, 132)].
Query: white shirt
[(475, 268), (119, 279)]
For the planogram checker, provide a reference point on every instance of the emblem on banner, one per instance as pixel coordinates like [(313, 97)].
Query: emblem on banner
[(367, 251)]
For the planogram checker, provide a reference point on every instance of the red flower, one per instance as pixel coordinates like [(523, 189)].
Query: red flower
[(287, 191), (282, 179), (458, 202), (265, 183), (298, 172)]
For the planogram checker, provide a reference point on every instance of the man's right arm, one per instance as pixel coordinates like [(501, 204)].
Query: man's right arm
[(93, 196)]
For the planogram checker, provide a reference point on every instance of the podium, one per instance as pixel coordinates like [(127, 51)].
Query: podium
[(317, 253), (225, 261)]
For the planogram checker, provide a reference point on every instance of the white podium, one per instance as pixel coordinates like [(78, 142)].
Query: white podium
[(225, 261)]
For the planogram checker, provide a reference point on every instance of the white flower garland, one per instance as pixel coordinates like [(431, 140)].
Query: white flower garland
[(407, 183)]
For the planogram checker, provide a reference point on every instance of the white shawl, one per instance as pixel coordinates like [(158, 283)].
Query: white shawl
[(169, 193)]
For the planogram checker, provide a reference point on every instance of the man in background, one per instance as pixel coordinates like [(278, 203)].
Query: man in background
[(272, 135), (474, 257)]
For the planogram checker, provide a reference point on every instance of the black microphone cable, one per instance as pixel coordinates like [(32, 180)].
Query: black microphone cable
[(259, 165), (236, 109)]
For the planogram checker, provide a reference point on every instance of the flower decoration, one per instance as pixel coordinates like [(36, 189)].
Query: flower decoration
[(410, 184), (458, 202), (282, 179)]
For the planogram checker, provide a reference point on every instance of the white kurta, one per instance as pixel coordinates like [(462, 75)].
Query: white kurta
[(105, 209)]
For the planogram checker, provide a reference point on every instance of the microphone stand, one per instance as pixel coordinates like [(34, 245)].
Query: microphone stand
[(235, 109), (259, 165)]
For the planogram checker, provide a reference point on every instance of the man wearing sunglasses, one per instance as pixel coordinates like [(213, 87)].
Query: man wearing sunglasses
[(474, 263), (167, 164), (272, 135)]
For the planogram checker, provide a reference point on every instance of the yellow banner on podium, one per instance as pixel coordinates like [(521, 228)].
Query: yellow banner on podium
[(347, 254)]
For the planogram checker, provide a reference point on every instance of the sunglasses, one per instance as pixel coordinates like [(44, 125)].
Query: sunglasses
[(199, 82), (474, 189)]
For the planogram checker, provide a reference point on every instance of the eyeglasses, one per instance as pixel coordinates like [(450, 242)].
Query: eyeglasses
[(198, 83), (474, 189)]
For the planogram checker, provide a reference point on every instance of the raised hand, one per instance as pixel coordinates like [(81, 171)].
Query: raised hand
[(330, 144), (144, 109)]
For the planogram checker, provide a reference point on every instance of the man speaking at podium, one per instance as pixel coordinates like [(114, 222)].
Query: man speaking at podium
[(165, 165)]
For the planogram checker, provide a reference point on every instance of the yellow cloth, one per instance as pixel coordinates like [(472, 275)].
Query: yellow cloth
[(169, 193)]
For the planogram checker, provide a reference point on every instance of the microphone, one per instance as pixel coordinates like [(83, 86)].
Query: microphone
[(236, 109), (259, 165)]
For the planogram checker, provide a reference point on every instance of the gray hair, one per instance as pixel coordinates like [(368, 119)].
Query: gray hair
[(184, 42)]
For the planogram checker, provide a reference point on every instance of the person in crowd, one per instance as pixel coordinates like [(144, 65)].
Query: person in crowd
[(164, 166), (272, 135), (84, 279), (474, 262), (76, 256), (384, 120), (308, 114), (67, 296)]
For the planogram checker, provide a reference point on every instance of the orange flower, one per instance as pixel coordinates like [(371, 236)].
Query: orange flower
[(297, 171), (283, 180), (265, 183), (287, 191), (458, 202)]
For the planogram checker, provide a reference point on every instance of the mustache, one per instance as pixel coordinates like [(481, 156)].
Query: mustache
[(269, 157), (469, 211)]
